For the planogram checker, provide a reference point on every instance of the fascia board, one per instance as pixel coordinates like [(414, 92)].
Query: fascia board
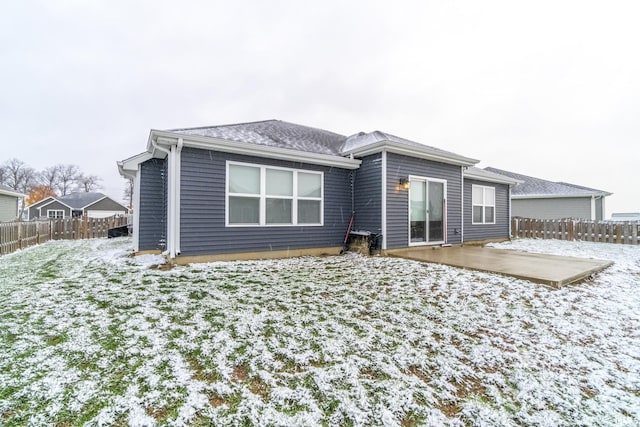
[(103, 198), (12, 193), (41, 202), (249, 149), (56, 200), (552, 196), (132, 162), (497, 180), (129, 167), (413, 151), (93, 203)]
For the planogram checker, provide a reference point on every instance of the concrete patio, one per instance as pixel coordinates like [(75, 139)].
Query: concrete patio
[(551, 270)]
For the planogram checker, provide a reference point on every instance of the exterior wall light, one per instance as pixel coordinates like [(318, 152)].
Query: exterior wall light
[(404, 184)]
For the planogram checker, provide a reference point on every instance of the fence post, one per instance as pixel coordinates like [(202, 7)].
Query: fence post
[(634, 233)]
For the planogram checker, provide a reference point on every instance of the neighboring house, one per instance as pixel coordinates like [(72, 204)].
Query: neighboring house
[(93, 205), (542, 199), (272, 188), (9, 203)]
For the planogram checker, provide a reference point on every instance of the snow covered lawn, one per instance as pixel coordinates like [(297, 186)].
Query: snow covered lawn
[(91, 335)]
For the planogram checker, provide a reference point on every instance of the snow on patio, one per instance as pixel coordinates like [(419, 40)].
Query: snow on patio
[(91, 335)]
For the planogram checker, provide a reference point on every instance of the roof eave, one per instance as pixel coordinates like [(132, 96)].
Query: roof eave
[(412, 151), (128, 168), (12, 193), (55, 199), (165, 138), (558, 196), (101, 199), (497, 180)]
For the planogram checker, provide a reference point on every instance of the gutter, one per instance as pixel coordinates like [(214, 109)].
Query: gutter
[(250, 149), (414, 151)]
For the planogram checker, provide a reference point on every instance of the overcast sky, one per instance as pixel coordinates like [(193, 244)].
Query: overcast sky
[(548, 89)]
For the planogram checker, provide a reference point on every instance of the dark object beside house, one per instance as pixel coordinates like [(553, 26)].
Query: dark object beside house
[(118, 232)]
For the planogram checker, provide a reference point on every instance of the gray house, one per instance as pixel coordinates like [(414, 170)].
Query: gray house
[(272, 189), (9, 200), (542, 199), (93, 205)]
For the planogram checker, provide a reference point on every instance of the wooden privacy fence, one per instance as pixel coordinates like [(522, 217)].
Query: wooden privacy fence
[(22, 234), (576, 229)]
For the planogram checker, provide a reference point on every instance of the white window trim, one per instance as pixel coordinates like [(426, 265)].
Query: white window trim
[(484, 204), (55, 210), (262, 215)]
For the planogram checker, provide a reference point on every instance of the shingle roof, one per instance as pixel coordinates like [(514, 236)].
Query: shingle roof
[(473, 172), (532, 186), (274, 133), (280, 134), (362, 139), (80, 200), (10, 191)]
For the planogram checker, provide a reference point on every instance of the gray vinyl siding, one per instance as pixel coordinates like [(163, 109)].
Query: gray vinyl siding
[(554, 208), (8, 207), (599, 210), (34, 213), (106, 205), (202, 211), (368, 194), (54, 206), (499, 230), (397, 209), (152, 227)]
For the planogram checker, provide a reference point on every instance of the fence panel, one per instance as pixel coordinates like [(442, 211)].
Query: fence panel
[(577, 229), (22, 234)]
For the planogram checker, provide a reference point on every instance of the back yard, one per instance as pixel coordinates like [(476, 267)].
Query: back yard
[(90, 335)]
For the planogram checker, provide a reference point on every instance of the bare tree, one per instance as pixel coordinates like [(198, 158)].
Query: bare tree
[(3, 175), (19, 176), (128, 192), (67, 177), (48, 177), (88, 183)]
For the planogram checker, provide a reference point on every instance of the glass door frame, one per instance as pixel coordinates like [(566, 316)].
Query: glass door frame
[(426, 180)]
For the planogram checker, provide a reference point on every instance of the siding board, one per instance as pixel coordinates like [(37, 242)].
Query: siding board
[(556, 208), (153, 205), (499, 230), (368, 194), (399, 166), (8, 207), (107, 204), (202, 210)]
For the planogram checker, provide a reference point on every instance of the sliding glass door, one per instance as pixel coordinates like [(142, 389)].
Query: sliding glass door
[(426, 210)]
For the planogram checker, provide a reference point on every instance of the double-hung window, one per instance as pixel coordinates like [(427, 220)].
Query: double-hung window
[(55, 214), (266, 195), (483, 204)]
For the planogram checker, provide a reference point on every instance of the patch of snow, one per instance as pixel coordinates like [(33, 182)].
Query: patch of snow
[(304, 341)]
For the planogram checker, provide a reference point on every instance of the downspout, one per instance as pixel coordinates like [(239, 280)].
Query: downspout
[(136, 209), (384, 201), (178, 190), (462, 204), (170, 199), (593, 208), (509, 216)]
